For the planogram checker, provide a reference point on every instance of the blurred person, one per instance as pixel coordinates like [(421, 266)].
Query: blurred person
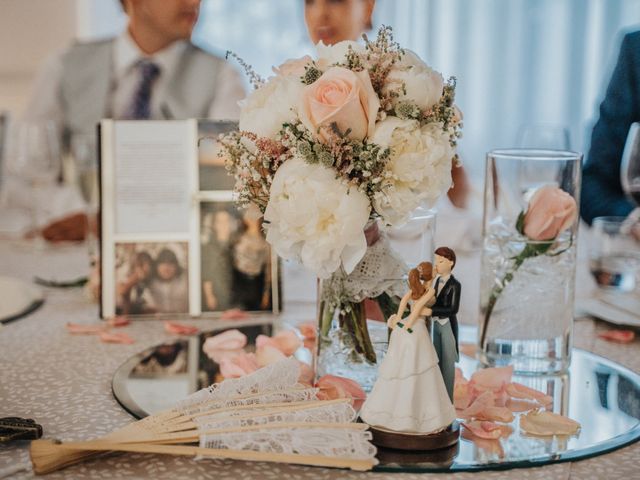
[(602, 193), (133, 293), (149, 71), (217, 261), (252, 264), (333, 21), (169, 286)]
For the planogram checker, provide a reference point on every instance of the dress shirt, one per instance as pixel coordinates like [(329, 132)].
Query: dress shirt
[(441, 281), (45, 103)]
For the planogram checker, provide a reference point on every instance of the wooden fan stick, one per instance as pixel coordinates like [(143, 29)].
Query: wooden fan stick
[(42, 449)]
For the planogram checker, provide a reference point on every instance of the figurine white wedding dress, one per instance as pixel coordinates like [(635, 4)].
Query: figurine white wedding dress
[(409, 395)]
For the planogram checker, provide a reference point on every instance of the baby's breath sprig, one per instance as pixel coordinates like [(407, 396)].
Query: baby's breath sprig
[(381, 55), (253, 169), (254, 78)]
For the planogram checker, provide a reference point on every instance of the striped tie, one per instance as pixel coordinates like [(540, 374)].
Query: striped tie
[(140, 108)]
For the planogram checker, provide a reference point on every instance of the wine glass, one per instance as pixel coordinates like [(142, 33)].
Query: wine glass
[(35, 163), (630, 165), (85, 161)]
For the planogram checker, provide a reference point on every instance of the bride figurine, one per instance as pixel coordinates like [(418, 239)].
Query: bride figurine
[(410, 395)]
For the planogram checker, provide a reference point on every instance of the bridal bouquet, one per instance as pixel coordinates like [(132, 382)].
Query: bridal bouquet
[(329, 145)]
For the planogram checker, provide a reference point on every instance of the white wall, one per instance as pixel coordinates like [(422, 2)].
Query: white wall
[(32, 30)]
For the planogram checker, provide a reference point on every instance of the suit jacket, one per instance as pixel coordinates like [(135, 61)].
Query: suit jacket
[(448, 303), (601, 188)]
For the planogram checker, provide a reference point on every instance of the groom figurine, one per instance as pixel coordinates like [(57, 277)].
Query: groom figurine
[(445, 324)]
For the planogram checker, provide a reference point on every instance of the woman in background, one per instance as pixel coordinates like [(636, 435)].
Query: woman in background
[(333, 21), (169, 286)]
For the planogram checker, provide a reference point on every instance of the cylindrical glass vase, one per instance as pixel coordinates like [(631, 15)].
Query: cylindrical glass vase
[(353, 308), (530, 228)]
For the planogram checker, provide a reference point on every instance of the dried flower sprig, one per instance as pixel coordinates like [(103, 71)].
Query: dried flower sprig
[(254, 78)]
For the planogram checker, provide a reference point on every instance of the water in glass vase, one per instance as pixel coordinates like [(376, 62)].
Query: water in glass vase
[(527, 295)]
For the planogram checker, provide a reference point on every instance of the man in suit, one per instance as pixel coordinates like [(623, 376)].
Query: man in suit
[(444, 331), (149, 71), (602, 193)]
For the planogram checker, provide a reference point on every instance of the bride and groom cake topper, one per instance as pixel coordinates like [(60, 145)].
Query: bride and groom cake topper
[(414, 391)]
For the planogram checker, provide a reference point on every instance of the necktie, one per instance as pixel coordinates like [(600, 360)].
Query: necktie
[(141, 104)]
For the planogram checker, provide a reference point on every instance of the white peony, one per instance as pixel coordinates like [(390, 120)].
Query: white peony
[(422, 84), (331, 54), (419, 169), (316, 218), (266, 109)]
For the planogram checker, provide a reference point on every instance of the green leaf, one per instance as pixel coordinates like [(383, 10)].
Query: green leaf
[(520, 223)]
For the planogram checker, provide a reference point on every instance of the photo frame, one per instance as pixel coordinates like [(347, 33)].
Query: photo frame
[(173, 241)]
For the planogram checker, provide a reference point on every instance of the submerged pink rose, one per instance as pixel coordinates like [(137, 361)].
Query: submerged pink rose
[(343, 97), (551, 211)]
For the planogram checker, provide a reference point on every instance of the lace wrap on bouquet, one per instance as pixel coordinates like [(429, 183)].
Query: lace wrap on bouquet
[(381, 270)]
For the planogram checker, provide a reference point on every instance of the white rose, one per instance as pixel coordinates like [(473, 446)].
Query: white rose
[(315, 218), (331, 54), (423, 85), (419, 169), (266, 109)]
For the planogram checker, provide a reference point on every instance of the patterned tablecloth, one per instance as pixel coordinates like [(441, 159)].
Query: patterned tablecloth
[(64, 383)]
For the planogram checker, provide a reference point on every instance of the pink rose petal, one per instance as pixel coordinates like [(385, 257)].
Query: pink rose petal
[(484, 400), (180, 328), (221, 355), (308, 330), (491, 446), (492, 378), (495, 414), (618, 336), (545, 423), (267, 354), (234, 314), (307, 374), (287, 342), (332, 387), (80, 329), (118, 321), (483, 429), (227, 340), (239, 365), (519, 391), (462, 395), (107, 337), (516, 405)]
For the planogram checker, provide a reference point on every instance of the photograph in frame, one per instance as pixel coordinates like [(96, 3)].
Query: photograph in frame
[(238, 268), (151, 278)]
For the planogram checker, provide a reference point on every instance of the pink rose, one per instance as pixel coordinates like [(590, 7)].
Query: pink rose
[(551, 211), (293, 66), (343, 97)]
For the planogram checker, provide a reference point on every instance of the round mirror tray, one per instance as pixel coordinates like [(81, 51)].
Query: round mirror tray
[(602, 395)]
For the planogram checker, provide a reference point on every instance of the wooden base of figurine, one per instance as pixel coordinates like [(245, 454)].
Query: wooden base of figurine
[(446, 438)]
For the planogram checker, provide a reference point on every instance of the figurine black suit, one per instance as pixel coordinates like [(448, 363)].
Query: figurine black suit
[(443, 314)]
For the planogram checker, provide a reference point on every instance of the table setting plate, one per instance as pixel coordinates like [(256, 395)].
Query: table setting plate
[(19, 299)]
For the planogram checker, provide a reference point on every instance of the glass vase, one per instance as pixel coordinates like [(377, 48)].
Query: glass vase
[(353, 308), (527, 280)]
